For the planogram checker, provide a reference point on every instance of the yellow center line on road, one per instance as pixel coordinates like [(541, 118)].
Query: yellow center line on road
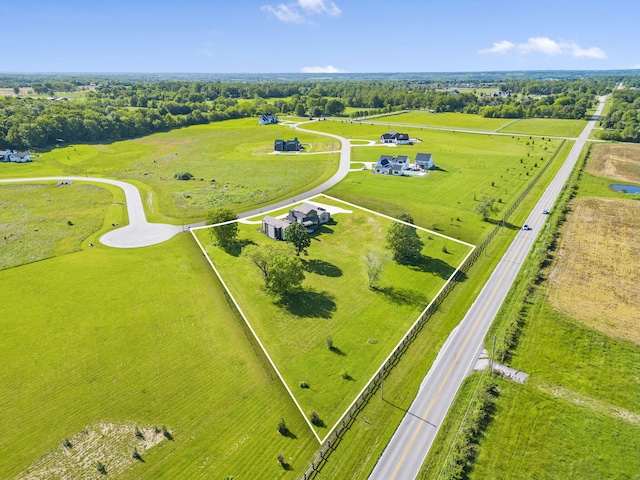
[(453, 364)]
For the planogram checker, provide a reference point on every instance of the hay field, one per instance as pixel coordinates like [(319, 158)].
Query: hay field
[(619, 162), (595, 277)]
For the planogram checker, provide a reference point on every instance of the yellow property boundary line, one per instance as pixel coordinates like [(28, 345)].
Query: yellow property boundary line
[(398, 345)]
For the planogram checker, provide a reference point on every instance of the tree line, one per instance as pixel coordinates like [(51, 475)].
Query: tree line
[(124, 108), (622, 123)]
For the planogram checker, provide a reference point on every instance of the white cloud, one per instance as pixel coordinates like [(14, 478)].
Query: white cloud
[(499, 47), (546, 46), (206, 51), (635, 67), (327, 69), (320, 7), (284, 13), (296, 12)]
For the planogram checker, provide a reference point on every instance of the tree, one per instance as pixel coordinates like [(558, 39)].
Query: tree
[(403, 240), (224, 235), (261, 255), (486, 207), (297, 235), (285, 273), (300, 110), (334, 107), (374, 263)]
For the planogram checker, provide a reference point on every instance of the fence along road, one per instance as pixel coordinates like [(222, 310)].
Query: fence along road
[(408, 448)]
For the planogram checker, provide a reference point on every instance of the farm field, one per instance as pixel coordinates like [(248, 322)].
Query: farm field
[(229, 160), (578, 416), (620, 162), (336, 301), (465, 121), (546, 126), (138, 337)]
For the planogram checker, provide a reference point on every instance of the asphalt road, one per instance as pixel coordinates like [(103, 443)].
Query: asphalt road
[(405, 453)]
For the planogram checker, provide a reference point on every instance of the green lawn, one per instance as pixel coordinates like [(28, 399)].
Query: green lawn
[(454, 120), (230, 162), (144, 336), (336, 301), (445, 198), (546, 126)]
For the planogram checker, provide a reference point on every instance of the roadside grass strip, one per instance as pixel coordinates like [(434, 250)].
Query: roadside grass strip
[(362, 326)]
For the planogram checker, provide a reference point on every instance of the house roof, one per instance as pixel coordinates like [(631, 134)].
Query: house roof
[(276, 222), (423, 157), (402, 136), (306, 208), (402, 159)]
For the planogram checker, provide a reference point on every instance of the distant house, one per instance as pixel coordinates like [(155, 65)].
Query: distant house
[(389, 165), (310, 216), (395, 138), (14, 156), (287, 145), (424, 161), (268, 119)]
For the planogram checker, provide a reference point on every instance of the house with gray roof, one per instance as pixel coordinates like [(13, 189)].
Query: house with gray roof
[(424, 161), (310, 216), (389, 165)]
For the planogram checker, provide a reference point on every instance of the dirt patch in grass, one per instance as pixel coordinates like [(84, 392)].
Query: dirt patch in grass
[(616, 161), (594, 278), (99, 450)]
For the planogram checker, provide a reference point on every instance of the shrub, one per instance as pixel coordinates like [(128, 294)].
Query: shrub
[(444, 249), (139, 434), (101, 468), (282, 427), (135, 455), (316, 420), (283, 463), (329, 341), (182, 176), (304, 385), (66, 443)]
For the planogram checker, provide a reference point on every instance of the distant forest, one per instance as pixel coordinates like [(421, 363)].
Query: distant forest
[(120, 107)]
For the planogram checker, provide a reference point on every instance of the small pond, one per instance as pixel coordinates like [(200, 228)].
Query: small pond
[(626, 188)]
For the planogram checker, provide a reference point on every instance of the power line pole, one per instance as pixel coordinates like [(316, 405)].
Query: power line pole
[(493, 349)]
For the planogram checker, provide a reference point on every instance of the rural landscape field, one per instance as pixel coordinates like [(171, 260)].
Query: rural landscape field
[(266, 263)]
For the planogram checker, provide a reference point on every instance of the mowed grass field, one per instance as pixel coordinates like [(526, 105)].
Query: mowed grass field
[(336, 301), (230, 162), (546, 126), (144, 337), (465, 121), (44, 220), (578, 416), (445, 198)]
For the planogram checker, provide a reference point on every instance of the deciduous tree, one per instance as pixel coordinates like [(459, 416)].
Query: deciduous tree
[(297, 235), (403, 240), (224, 235)]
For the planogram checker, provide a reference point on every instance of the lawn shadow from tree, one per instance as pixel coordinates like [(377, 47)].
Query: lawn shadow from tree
[(323, 230), (320, 267), (235, 249), (401, 296), (308, 304), (337, 351), (432, 265), (507, 225), (290, 434)]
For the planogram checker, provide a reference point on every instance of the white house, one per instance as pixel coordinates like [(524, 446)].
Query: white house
[(389, 165), (424, 161), (14, 156), (395, 138)]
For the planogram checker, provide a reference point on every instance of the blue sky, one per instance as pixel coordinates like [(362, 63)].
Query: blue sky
[(271, 36)]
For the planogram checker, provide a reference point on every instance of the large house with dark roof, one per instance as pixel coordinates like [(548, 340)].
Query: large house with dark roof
[(310, 216), (395, 138), (287, 145)]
